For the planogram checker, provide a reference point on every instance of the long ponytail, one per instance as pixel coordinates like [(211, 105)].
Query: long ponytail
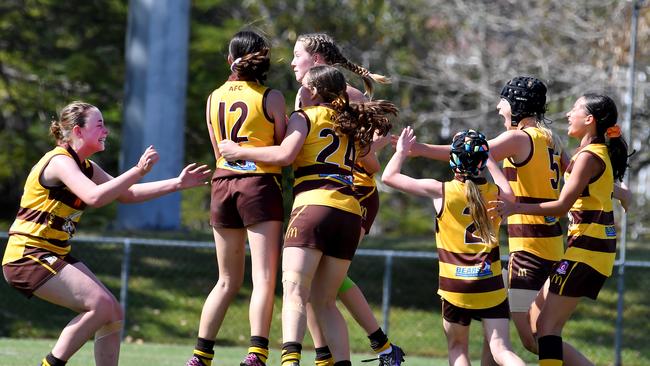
[(479, 214), (605, 113), (325, 46)]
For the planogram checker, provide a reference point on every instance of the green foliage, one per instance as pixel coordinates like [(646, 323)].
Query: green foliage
[(52, 53)]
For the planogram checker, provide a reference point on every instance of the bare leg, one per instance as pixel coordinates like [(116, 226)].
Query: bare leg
[(457, 343), (76, 287), (264, 241), (497, 331), (358, 306), (298, 269), (330, 274), (486, 354), (555, 313), (230, 258), (314, 329)]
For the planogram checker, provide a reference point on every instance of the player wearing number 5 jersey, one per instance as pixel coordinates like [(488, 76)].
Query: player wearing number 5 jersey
[(246, 199), (587, 198), (532, 162), (323, 141)]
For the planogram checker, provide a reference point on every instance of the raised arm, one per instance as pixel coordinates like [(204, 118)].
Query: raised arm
[(283, 154), (369, 161), (434, 152), (585, 167), (64, 169), (394, 178), (192, 175), (505, 192)]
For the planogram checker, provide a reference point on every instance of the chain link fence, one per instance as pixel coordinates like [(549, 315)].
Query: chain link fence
[(162, 285)]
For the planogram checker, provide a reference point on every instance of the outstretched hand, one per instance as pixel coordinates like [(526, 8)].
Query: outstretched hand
[(148, 159), (499, 208), (194, 175), (379, 142), (405, 141), (229, 149)]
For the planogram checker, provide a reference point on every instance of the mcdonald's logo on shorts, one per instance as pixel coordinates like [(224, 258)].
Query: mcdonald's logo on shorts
[(522, 272), (557, 279), (292, 232)]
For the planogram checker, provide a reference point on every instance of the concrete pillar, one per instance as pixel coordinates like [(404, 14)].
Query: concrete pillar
[(154, 103)]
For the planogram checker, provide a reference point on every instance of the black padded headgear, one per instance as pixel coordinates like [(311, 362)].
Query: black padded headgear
[(527, 97), (469, 153)]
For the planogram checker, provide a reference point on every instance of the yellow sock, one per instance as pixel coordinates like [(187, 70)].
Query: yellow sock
[(262, 353)]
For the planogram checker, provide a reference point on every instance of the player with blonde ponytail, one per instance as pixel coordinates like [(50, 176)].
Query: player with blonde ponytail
[(470, 281)]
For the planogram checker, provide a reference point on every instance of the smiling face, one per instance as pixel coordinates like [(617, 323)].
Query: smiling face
[(93, 134), (579, 119), (302, 61)]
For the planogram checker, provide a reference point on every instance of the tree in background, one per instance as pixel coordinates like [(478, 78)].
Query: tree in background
[(447, 60)]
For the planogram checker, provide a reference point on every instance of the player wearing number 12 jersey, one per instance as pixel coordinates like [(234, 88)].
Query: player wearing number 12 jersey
[(322, 141), (246, 198)]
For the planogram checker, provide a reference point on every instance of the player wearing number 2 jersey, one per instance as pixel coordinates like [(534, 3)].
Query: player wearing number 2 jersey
[(532, 161), (323, 140), (246, 197), (471, 285)]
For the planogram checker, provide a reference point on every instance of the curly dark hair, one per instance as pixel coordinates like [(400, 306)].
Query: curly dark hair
[(359, 121)]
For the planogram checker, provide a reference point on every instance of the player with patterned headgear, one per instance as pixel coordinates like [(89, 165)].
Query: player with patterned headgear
[(533, 160), (470, 281)]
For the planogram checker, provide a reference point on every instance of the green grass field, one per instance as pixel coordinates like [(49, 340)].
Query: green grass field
[(168, 285), (21, 352)]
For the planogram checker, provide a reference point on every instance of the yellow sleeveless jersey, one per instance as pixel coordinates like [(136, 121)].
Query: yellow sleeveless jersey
[(323, 167), (47, 216), (237, 113), (535, 180), (470, 269), (592, 234), (361, 177)]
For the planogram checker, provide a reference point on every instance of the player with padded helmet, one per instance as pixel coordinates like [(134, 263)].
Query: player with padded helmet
[(586, 197), (470, 281), (532, 162)]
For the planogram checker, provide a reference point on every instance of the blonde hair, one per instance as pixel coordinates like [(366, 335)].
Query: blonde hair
[(74, 114), (552, 139), (478, 212), (325, 46)]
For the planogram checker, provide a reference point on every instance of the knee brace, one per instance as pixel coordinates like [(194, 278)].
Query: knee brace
[(108, 329), (296, 278)]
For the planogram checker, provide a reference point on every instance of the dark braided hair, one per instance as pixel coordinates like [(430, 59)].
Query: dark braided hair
[(251, 56), (605, 113), (359, 121), (325, 46)]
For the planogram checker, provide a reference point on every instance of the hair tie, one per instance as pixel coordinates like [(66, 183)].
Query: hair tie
[(234, 63), (613, 132)]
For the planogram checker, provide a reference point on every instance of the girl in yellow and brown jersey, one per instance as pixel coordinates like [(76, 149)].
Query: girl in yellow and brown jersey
[(470, 281), (246, 200), (323, 141), (59, 187), (587, 197), (532, 162), (320, 49)]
